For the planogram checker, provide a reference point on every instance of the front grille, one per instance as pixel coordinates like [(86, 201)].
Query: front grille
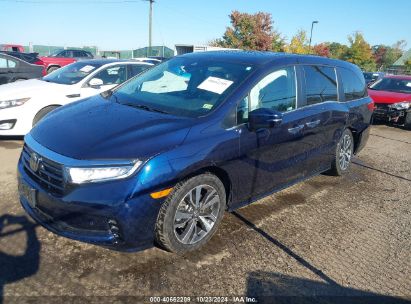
[(381, 109), (49, 173)]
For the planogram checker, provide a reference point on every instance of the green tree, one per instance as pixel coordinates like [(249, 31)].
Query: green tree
[(251, 32), (385, 56), (299, 43), (360, 53), (337, 50), (408, 66)]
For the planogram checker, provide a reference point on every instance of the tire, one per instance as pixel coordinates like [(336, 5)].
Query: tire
[(43, 112), (343, 154), (52, 69), (193, 225), (407, 121)]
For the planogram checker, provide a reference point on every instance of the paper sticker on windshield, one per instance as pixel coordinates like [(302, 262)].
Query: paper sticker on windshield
[(207, 106), (87, 68), (215, 85), (408, 84)]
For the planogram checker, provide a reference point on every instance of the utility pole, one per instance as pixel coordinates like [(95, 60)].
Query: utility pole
[(150, 27)]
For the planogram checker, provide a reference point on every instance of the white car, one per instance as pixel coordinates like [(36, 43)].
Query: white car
[(24, 103)]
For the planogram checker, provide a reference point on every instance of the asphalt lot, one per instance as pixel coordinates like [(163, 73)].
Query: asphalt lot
[(324, 237)]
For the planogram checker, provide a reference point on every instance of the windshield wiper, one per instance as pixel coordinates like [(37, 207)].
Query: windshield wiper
[(144, 107)]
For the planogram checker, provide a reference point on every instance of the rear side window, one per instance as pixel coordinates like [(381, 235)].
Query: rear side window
[(354, 87), (320, 84)]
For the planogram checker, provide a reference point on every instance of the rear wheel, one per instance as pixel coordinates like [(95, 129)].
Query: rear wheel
[(43, 112), (191, 214), (343, 154)]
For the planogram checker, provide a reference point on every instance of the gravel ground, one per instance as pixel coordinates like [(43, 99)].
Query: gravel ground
[(328, 236)]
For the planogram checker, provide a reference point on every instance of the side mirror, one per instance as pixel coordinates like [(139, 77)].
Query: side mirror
[(95, 83), (264, 118)]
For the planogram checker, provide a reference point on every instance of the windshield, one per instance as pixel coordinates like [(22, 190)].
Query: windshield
[(183, 86), (393, 85), (72, 73)]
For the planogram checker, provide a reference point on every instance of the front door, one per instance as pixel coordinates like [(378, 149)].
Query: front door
[(275, 157)]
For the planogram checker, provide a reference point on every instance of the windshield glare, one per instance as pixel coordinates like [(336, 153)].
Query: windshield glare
[(393, 85), (72, 73), (182, 86)]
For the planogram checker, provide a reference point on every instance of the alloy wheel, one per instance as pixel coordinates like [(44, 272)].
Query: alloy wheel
[(196, 214), (345, 152)]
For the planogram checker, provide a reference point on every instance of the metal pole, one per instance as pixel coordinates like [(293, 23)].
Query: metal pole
[(150, 27), (311, 34)]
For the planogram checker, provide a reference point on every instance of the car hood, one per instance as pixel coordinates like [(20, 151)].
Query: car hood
[(30, 88), (96, 128), (388, 97)]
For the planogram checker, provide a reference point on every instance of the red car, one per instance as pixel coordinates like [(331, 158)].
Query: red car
[(12, 48), (392, 98), (61, 58)]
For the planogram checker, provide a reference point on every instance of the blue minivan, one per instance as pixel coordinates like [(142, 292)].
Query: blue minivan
[(159, 159)]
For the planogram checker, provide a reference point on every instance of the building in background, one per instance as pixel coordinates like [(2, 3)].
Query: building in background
[(399, 66)]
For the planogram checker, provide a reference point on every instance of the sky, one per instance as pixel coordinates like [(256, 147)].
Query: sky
[(123, 24)]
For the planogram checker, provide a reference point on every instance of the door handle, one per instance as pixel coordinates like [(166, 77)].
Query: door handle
[(296, 129), (313, 124)]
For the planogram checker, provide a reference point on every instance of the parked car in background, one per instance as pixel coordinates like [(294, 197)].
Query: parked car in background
[(371, 77), (23, 104), (14, 69), (12, 48), (31, 58), (392, 97), (60, 58), (160, 161)]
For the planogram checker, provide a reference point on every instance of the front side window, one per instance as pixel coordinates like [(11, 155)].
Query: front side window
[(113, 75), (354, 87), (72, 73), (136, 69), (184, 86), (276, 91), (320, 84)]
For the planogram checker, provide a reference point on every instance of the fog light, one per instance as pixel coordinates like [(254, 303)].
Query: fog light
[(7, 124)]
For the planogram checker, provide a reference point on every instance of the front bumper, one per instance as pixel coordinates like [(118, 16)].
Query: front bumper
[(22, 123), (101, 213), (385, 113)]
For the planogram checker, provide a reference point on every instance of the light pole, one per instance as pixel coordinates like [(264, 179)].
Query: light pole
[(311, 35)]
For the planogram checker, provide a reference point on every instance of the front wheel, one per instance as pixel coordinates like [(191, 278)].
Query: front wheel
[(190, 216), (343, 154), (42, 113)]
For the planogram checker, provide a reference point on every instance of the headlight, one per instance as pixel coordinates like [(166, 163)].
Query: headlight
[(404, 105), (79, 175), (12, 103)]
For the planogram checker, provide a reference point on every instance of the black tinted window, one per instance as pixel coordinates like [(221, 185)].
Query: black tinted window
[(354, 87), (321, 84)]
